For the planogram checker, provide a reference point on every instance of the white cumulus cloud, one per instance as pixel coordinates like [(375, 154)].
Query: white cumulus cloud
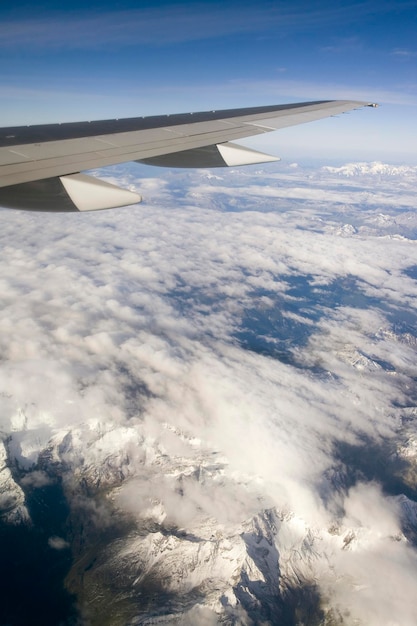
[(208, 352)]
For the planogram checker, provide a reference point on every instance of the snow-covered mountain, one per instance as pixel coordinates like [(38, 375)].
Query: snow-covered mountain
[(375, 168)]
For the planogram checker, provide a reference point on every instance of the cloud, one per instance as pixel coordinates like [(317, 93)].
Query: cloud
[(344, 45), (379, 569), (130, 27), (57, 543), (172, 24), (198, 357), (37, 478), (169, 24), (366, 507), (402, 52)]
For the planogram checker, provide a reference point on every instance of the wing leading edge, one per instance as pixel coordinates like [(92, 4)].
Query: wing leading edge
[(40, 165)]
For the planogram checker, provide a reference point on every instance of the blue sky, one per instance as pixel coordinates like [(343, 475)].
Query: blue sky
[(62, 61)]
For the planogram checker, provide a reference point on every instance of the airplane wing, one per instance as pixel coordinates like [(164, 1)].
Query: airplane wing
[(41, 166)]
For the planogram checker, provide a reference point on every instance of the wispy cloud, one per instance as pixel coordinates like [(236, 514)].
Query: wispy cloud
[(344, 44), (171, 24), (402, 52)]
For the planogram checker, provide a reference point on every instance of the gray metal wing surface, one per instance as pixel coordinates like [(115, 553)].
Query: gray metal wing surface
[(40, 165)]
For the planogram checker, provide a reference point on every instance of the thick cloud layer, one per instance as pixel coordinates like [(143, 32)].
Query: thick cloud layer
[(250, 325)]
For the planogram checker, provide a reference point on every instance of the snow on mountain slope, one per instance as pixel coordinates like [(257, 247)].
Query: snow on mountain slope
[(12, 498)]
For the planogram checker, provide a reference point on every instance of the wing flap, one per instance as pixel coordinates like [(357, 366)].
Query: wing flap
[(92, 194), (77, 192), (219, 155)]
